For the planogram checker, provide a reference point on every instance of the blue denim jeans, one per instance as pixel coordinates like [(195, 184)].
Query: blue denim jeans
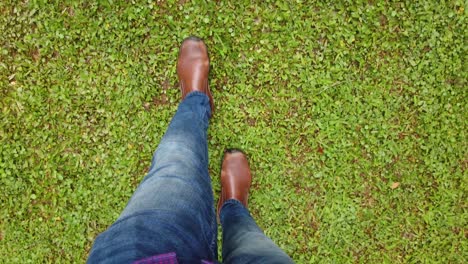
[(172, 209)]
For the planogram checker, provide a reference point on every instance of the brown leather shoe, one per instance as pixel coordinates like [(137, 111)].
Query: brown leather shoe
[(235, 178), (193, 67)]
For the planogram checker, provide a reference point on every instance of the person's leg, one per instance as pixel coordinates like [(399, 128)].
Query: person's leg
[(178, 181), (172, 209), (243, 240)]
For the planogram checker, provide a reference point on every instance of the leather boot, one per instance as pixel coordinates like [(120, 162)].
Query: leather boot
[(193, 66), (235, 178)]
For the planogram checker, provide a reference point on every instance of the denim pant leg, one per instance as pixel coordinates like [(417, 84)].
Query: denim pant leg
[(172, 209), (244, 241)]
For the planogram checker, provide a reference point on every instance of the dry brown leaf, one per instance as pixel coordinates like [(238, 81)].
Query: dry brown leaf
[(395, 185)]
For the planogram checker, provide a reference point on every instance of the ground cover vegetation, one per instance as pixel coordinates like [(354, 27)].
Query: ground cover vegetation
[(353, 114)]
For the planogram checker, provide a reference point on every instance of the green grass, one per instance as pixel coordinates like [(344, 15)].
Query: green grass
[(335, 104)]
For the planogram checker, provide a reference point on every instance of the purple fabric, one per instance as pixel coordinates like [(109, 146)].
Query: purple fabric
[(168, 258)]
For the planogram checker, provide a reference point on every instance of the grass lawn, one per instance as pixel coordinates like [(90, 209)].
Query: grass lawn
[(354, 115)]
